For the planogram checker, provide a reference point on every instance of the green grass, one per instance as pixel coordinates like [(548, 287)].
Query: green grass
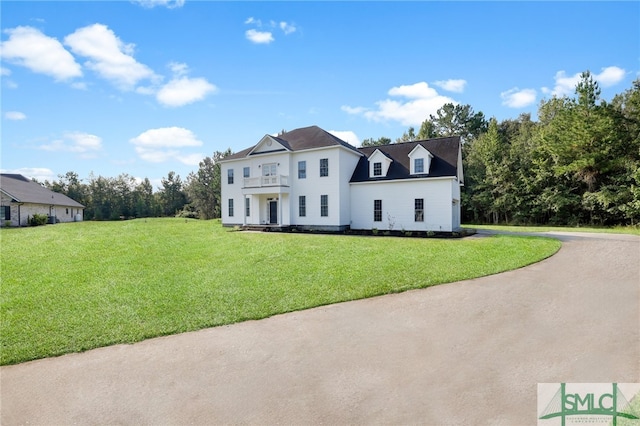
[(73, 287), (632, 230)]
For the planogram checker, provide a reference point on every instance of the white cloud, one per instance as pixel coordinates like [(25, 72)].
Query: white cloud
[(169, 4), (84, 144), (610, 76), (39, 173), (287, 28), (5, 71), (423, 101), (347, 136), (162, 144), (178, 68), (259, 37), (108, 56), (14, 115), (182, 90), (266, 37), (30, 48), (516, 98), (566, 85), (191, 159), (414, 91), (451, 85), (166, 137)]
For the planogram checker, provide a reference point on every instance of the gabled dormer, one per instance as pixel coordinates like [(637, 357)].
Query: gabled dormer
[(270, 143), (420, 160), (378, 164)]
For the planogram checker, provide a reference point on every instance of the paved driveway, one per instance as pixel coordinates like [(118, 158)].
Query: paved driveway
[(470, 352)]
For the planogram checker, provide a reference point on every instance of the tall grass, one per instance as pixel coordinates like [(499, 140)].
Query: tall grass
[(73, 287)]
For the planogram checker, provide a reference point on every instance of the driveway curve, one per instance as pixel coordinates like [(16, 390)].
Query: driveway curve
[(470, 352)]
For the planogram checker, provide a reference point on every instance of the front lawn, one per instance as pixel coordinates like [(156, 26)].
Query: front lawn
[(77, 286)]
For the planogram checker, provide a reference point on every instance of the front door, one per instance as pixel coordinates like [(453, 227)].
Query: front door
[(273, 212)]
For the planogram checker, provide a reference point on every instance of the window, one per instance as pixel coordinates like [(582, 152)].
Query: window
[(418, 165), (247, 207), (6, 212), (302, 169), (67, 212), (419, 210), (230, 207), (269, 169), (324, 205), (377, 169), (230, 176), (377, 210), (302, 206), (324, 167), (246, 172)]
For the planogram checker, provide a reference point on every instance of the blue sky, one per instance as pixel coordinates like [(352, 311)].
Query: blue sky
[(149, 87)]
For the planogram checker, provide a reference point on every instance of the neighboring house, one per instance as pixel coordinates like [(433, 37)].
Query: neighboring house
[(310, 179), (21, 198)]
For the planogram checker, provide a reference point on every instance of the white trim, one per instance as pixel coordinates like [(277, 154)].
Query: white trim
[(368, 182)]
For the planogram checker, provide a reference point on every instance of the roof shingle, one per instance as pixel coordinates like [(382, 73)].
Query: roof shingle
[(444, 163), (23, 190)]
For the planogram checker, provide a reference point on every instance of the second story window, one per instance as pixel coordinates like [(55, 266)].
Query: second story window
[(324, 167), (377, 169), (230, 176), (418, 165), (302, 169), (269, 169), (246, 172)]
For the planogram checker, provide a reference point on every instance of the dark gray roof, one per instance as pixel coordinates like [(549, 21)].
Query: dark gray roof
[(24, 190), (444, 163), (301, 139)]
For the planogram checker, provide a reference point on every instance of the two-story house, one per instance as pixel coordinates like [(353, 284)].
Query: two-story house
[(310, 179)]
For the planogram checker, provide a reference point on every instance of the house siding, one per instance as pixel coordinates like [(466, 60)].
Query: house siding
[(21, 212), (398, 199)]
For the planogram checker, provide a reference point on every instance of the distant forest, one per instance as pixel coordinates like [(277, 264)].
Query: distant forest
[(578, 164)]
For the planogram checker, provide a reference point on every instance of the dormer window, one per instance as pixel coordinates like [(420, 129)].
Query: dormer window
[(420, 160), (379, 164)]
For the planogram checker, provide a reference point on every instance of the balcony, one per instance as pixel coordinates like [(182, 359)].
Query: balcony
[(266, 181)]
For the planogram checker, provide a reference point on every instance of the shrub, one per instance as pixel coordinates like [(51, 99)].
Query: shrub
[(38, 219)]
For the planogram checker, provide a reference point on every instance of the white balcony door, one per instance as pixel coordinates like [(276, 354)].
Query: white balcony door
[(269, 173)]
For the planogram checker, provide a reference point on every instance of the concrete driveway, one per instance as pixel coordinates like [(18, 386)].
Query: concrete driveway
[(470, 352)]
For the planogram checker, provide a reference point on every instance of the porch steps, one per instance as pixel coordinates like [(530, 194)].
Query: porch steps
[(266, 228)]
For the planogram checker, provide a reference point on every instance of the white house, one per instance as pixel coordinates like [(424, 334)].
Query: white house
[(310, 179)]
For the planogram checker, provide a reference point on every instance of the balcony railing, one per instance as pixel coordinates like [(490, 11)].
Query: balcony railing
[(259, 182)]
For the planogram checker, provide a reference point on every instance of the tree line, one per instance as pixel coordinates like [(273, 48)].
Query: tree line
[(124, 197), (579, 163)]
